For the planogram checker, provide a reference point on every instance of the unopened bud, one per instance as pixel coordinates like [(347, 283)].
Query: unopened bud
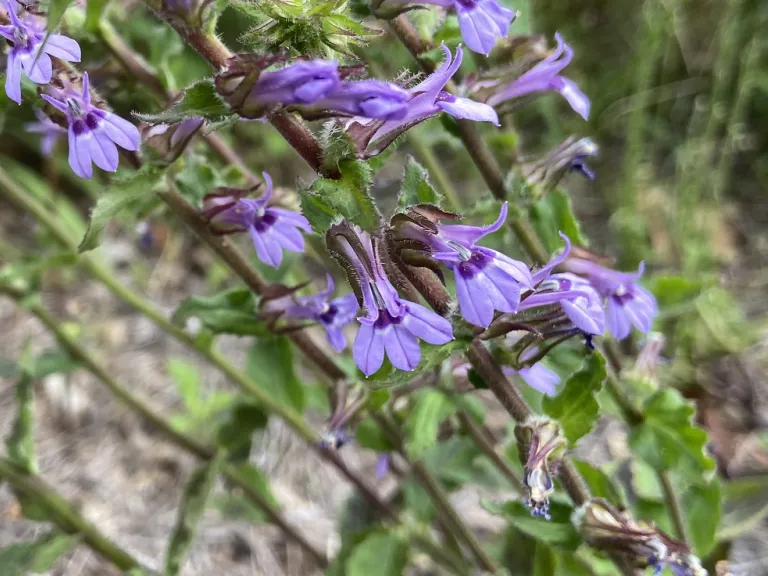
[(540, 444)]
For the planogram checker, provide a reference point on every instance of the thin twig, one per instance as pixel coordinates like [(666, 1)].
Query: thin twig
[(65, 515)]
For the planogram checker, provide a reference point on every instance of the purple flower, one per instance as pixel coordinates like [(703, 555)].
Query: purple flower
[(486, 280), (390, 324), (94, 134), (50, 131), (368, 99), (27, 35), (482, 22), (538, 376), (271, 229), (546, 76), (171, 140), (628, 303), (428, 99), (332, 316), (304, 82), (382, 465), (577, 298)]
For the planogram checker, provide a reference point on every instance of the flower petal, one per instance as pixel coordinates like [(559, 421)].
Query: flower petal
[(120, 131), (288, 237), (38, 69), (13, 78), (293, 218), (586, 317), (63, 47), (79, 156), (542, 274), (402, 347), (540, 378), (102, 150), (368, 349), (575, 97), (267, 247), (475, 307), (426, 324), (335, 338), (467, 109), (616, 319)]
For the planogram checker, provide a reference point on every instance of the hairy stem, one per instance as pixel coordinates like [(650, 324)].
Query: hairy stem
[(673, 505), (65, 515)]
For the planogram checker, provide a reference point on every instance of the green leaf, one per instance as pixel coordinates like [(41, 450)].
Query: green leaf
[(193, 504), (554, 214), (187, 381), (701, 510), (270, 364), (348, 196), (198, 100), (229, 312), (370, 435), (93, 13), (36, 557), (422, 424), (745, 506), (256, 478), (575, 407), (674, 290), (645, 481), (119, 196), (667, 439), (52, 362), (236, 434), (238, 508), (431, 358), (21, 441), (559, 531), (319, 211), (380, 554), (56, 9), (416, 188), (544, 561), (600, 484)]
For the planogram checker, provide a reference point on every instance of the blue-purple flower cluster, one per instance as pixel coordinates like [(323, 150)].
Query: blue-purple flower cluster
[(93, 134)]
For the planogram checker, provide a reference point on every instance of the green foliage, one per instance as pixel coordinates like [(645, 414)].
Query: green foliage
[(235, 434), (416, 188), (197, 101), (431, 358), (37, 556), (203, 412), (701, 512), (745, 506), (193, 504), (600, 484), (93, 13), (120, 195), (558, 532), (21, 441), (307, 28), (370, 435), (237, 507), (327, 201), (576, 407), (270, 364), (380, 554), (667, 439), (554, 214), (230, 312), (431, 407)]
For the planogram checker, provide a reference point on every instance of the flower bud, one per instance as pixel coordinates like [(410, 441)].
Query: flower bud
[(538, 441), (170, 141)]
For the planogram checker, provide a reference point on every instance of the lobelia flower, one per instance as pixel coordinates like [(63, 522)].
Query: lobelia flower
[(486, 280), (93, 134), (368, 99), (331, 315), (428, 99), (382, 465), (482, 22), (577, 298), (570, 156), (540, 443), (170, 140), (628, 303), (272, 230), (50, 132), (545, 76), (537, 376), (390, 324), (28, 53), (304, 82)]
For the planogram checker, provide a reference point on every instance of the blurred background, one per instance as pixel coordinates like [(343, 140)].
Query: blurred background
[(679, 92)]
